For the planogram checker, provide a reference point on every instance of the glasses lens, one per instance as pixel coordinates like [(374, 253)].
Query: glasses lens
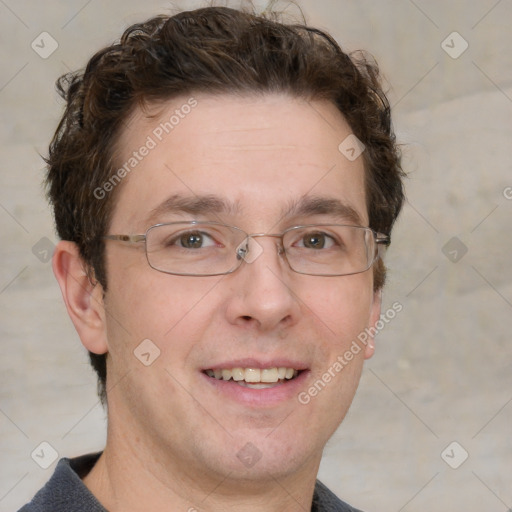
[(188, 248), (330, 249), (209, 248)]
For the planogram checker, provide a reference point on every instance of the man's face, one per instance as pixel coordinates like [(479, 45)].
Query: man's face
[(263, 158)]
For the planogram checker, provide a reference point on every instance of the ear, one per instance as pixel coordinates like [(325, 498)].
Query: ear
[(374, 317), (83, 299)]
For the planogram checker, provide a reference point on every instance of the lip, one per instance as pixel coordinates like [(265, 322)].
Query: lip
[(258, 363), (257, 398)]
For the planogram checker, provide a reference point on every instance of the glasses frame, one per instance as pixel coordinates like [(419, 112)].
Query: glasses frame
[(380, 240)]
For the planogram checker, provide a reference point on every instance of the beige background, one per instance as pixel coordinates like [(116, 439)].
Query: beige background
[(442, 371)]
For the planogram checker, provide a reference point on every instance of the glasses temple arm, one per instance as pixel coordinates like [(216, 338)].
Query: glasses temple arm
[(125, 238)]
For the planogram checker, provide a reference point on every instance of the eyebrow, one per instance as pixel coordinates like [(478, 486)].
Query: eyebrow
[(211, 204), (194, 205), (307, 206)]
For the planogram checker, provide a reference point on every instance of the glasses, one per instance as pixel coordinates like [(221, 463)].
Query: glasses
[(211, 249)]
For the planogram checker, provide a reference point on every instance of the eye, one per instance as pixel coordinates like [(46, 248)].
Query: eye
[(316, 240), (193, 240)]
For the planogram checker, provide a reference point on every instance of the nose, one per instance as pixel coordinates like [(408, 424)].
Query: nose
[(262, 292)]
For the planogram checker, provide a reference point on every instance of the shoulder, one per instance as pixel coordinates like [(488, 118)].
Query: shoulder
[(65, 490), (326, 501)]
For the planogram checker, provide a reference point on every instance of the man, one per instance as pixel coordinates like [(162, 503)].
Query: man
[(224, 186)]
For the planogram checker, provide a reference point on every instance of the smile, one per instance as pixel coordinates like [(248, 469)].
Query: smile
[(255, 378)]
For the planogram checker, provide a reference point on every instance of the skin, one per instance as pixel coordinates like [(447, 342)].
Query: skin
[(173, 437)]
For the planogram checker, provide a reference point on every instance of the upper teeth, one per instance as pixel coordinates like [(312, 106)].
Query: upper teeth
[(253, 374)]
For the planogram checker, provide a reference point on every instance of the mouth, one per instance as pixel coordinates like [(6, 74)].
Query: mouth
[(255, 378)]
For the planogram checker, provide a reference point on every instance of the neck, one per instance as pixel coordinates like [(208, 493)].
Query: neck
[(133, 477)]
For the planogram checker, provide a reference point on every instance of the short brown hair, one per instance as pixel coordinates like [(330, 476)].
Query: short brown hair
[(212, 50)]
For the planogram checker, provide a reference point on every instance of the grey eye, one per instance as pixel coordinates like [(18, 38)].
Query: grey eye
[(191, 240), (317, 240)]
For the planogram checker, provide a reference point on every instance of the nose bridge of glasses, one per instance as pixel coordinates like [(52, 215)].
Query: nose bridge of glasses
[(249, 249)]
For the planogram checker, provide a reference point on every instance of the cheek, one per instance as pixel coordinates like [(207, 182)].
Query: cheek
[(162, 308), (342, 305)]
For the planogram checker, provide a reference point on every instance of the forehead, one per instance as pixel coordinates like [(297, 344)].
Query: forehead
[(256, 156)]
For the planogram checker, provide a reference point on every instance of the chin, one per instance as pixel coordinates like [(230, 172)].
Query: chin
[(263, 457)]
